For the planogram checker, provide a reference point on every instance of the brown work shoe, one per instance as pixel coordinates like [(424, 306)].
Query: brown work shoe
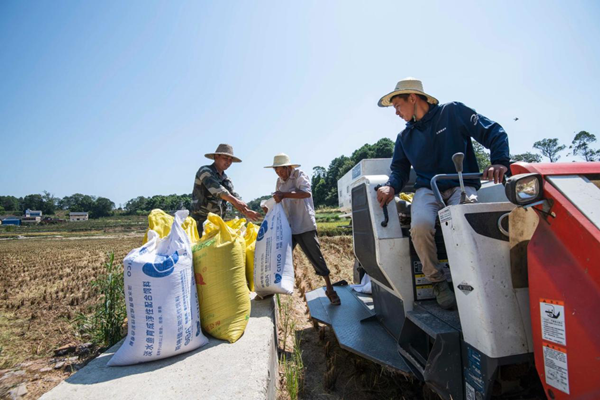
[(443, 295), (333, 297)]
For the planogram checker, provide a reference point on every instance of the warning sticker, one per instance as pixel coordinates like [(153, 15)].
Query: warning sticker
[(425, 292), (552, 313), (445, 215), (555, 366), (421, 280), (470, 392)]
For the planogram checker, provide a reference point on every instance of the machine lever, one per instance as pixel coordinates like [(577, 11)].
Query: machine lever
[(457, 159), (386, 216)]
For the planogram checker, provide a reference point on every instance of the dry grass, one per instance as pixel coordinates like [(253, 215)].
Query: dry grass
[(44, 284)]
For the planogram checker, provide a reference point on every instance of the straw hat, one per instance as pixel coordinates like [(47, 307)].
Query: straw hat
[(405, 86), (224, 150), (282, 160)]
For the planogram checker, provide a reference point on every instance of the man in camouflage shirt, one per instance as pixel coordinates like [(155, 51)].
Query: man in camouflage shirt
[(213, 189)]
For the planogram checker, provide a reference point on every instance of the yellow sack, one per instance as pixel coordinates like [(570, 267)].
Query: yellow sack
[(250, 238), (161, 222), (219, 267), (235, 224), (407, 196)]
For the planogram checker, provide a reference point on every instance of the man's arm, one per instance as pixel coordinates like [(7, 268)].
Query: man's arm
[(301, 191), (296, 194), (491, 135), (241, 206), (219, 191), (400, 174)]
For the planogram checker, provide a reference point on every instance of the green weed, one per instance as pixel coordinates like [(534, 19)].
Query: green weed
[(105, 324)]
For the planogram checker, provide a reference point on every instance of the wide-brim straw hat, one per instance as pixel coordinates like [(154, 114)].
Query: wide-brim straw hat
[(406, 86), (224, 150), (282, 160)]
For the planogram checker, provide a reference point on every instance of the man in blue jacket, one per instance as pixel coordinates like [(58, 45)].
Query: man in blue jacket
[(432, 135)]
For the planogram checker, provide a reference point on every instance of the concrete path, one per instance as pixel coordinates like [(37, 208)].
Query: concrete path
[(246, 369)]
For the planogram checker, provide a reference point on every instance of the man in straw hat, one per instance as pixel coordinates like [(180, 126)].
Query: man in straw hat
[(433, 133), (293, 189), (213, 189)]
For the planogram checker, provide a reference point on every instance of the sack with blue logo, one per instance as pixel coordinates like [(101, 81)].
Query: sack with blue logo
[(273, 264), (163, 314)]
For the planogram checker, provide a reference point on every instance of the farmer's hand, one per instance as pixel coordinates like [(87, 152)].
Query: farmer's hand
[(495, 172), (252, 215), (385, 194), (278, 196)]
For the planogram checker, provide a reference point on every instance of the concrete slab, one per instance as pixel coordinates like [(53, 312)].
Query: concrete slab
[(246, 369)]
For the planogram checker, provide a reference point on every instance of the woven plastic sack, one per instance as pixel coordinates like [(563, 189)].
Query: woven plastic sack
[(162, 303), (236, 224), (219, 266), (250, 238), (273, 264), (161, 222)]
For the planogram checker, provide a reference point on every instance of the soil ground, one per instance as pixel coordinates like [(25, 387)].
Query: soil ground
[(45, 283)]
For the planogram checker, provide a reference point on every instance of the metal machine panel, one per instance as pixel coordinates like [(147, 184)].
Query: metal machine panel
[(494, 314), (382, 249), (364, 240)]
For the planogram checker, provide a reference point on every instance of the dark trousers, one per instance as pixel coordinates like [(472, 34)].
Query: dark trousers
[(309, 243)]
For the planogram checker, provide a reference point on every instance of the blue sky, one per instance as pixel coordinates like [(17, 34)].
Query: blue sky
[(122, 99)]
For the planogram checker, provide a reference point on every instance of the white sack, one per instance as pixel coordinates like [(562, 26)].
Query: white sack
[(364, 286), (163, 314), (273, 264)]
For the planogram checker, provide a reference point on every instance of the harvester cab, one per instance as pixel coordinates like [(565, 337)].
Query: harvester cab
[(485, 347)]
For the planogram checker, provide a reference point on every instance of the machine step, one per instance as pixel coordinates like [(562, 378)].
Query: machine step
[(367, 338)]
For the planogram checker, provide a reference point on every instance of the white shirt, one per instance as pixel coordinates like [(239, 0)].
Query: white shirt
[(300, 212)]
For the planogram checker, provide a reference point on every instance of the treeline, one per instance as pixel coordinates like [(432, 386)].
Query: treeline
[(143, 205), (96, 206), (48, 204)]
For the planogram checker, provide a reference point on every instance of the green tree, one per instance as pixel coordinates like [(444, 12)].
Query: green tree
[(366, 151), (50, 202), (102, 207), (549, 148), (135, 205), (255, 204), (581, 146), (33, 202), (9, 203), (527, 157), (482, 155), (77, 202), (338, 167), (2, 210), (384, 148), (185, 202)]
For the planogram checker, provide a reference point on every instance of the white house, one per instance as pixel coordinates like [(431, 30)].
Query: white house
[(78, 216), (33, 213)]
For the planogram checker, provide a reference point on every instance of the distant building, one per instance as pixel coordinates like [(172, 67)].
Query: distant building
[(31, 220), (11, 221), (33, 213), (78, 216)]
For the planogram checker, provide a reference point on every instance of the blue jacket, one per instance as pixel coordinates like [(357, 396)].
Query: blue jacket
[(428, 145)]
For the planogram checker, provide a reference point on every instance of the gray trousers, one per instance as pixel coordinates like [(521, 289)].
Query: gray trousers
[(424, 211), (309, 243)]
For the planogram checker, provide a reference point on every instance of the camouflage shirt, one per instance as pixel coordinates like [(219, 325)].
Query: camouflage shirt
[(208, 188)]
